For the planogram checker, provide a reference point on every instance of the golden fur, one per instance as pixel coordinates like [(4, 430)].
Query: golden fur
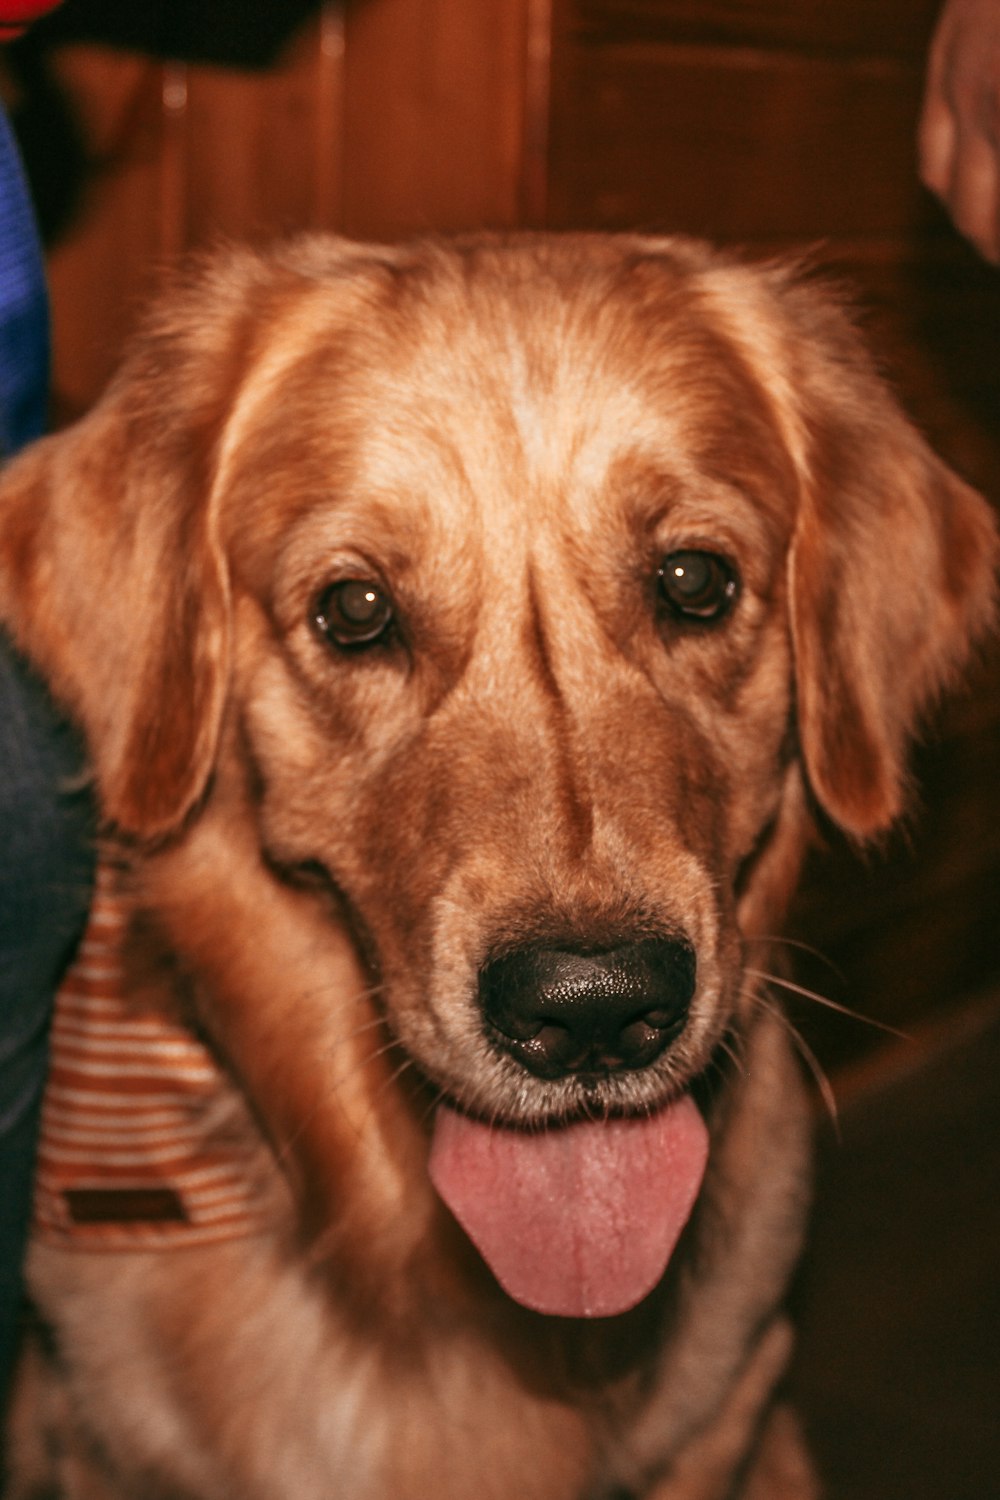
[(327, 842)]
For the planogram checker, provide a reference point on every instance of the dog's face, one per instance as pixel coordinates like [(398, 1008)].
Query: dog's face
[(528, 583), (515, 671)]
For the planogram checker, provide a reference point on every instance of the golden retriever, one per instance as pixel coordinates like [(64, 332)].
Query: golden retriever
[(465, 635)]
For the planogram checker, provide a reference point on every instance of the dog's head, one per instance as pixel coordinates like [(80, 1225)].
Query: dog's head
[(536, 585)]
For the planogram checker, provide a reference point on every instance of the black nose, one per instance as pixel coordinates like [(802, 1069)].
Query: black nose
[(558, 1011)]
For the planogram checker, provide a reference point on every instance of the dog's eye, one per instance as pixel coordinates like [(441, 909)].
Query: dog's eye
[(353, 612), (697, 586)]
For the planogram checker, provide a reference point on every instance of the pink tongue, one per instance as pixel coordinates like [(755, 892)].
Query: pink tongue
[(578, 1220)]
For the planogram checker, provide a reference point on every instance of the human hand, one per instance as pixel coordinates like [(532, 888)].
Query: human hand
[(959, 136)]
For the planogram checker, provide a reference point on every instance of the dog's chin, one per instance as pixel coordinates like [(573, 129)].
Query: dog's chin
[(521, 1102)]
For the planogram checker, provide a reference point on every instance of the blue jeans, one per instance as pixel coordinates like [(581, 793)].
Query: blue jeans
[(46, 867), (46, 835)]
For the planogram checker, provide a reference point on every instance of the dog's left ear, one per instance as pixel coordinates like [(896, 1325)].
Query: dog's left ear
[(892, 579), (113, 581)]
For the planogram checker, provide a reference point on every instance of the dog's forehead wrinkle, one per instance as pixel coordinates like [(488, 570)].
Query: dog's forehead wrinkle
[(294, 337), (539, 381), (746, 308), (549, 375)]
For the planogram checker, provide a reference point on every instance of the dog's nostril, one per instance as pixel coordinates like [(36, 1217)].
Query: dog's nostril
[(559, 1011), (660, 1017)]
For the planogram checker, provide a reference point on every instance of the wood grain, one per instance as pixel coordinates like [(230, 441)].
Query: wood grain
[(889, 28)]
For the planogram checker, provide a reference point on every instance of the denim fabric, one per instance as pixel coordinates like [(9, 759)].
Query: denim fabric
[(24, 315), (46, 835), (45, 876)]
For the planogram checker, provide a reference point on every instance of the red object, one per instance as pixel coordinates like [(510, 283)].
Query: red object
[(17, 15)]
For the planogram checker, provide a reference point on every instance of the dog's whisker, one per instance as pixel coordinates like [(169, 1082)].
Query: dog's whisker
[(729, 1053), (777, 940), (437, 1097), (357, 997), (824, 1000), (812, 1062), (334, 1046), (735, 1050), (387, 1083), (376, 1023), (284, 1152)]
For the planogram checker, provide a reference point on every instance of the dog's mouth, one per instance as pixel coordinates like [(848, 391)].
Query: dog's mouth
[(577, 1212), (580, 1218), (577, 1220)]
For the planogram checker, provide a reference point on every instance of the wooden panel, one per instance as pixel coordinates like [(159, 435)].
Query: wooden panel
[(387, 118), (435, 115), (183, 156), (891, 28), (103, 269), (735, 144), (263, 152)]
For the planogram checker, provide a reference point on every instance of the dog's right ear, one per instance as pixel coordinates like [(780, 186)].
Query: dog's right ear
[(113, 581), (113, 585)]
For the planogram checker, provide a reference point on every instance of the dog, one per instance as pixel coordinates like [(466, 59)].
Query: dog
[(469, 637)]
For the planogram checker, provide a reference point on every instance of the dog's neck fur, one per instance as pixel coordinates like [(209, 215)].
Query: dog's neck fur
[(397, 1263)]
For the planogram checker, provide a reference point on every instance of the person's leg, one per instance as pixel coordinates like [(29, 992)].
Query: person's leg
[(46, 838), (46, 866), (24, 314)]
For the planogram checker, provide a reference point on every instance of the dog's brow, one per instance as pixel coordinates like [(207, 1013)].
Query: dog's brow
[(523, 394), (751, 325), (293, 338), (544, 390)]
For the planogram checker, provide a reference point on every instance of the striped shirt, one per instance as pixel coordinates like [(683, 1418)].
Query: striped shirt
[(127, 1158)]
